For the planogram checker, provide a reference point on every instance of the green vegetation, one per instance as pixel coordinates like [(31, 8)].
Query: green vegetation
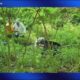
[(56, 24)]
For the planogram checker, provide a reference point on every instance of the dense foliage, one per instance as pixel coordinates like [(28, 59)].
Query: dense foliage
[(56, 24)]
